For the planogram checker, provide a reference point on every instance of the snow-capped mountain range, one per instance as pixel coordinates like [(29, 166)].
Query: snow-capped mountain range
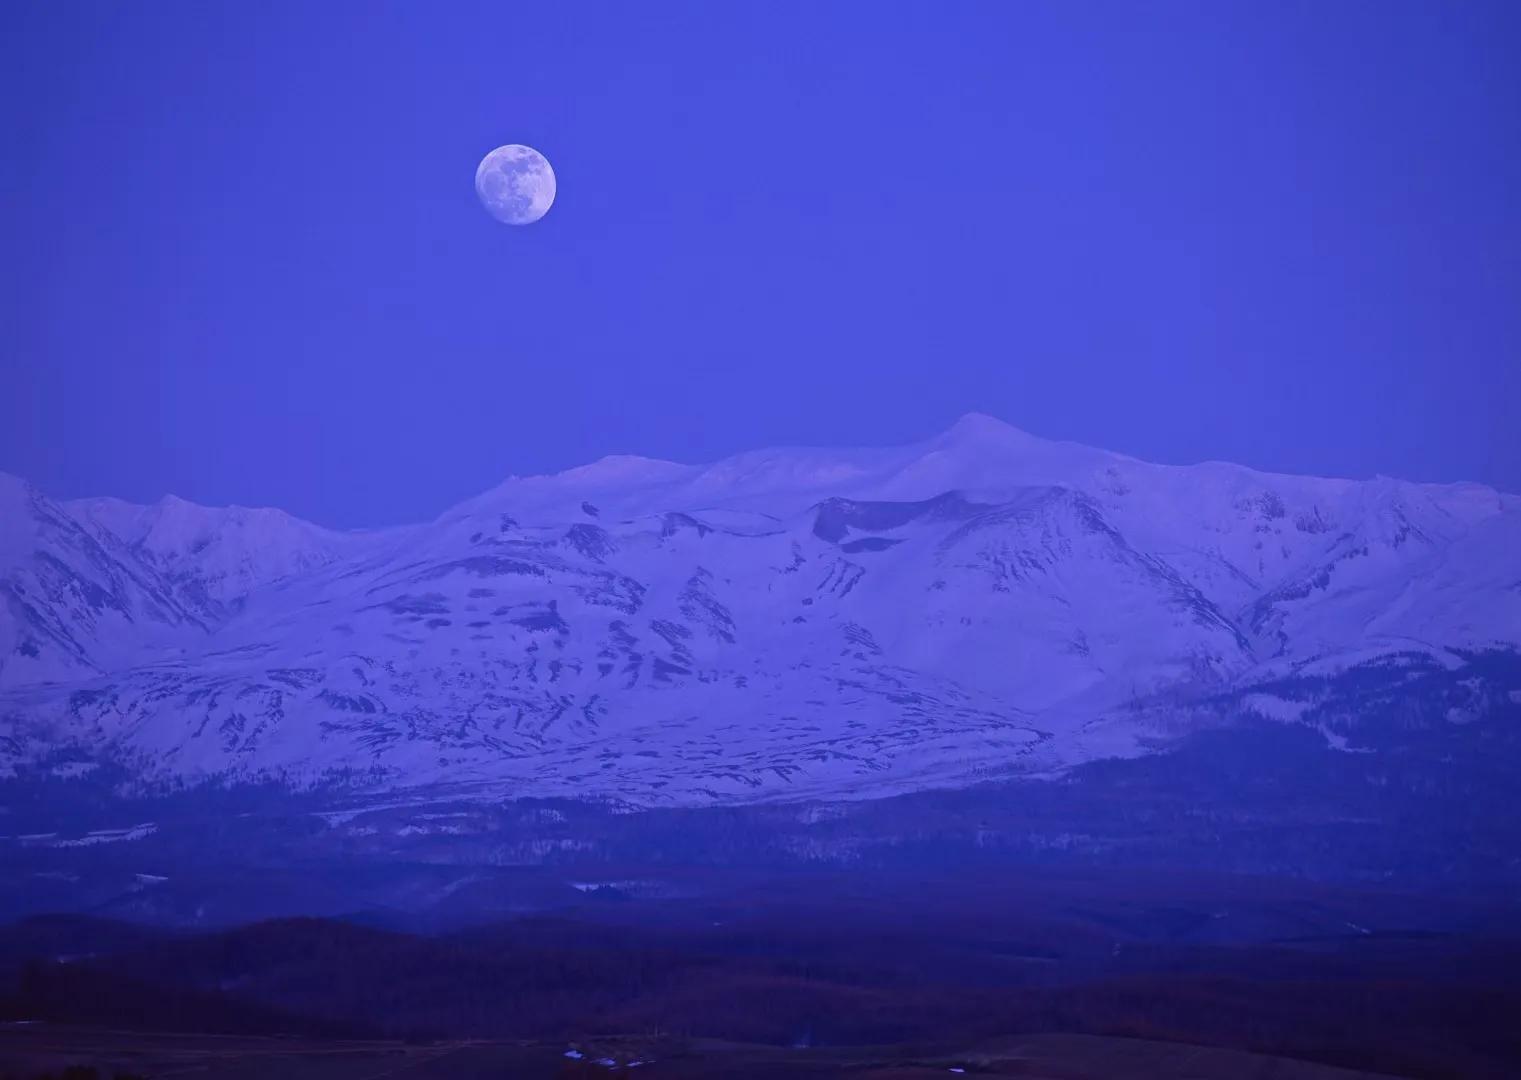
[(781, 624)]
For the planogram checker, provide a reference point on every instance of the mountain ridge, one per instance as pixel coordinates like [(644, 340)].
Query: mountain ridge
[(967, 426), (779, 624)]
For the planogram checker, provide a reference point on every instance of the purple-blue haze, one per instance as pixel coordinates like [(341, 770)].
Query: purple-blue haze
[(244, 261)]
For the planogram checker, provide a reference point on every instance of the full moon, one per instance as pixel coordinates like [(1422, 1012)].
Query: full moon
[(515, 184)]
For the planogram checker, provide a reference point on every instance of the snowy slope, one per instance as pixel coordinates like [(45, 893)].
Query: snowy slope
[(214, 556), (72, 602), (783, 623)]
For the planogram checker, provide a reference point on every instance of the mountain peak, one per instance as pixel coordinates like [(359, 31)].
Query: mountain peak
[(980, 427), (625, 469)]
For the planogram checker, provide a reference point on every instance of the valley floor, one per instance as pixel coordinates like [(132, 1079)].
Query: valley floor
[(34, 1050), (1005, 971)]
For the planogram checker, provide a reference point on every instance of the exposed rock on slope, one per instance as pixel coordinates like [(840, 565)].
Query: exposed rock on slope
[(780, 624)]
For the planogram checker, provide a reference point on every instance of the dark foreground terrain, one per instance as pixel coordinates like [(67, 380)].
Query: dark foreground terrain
[(40, 1050), (826, 973)]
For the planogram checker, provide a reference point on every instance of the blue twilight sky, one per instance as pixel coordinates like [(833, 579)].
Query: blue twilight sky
[(244, 262)]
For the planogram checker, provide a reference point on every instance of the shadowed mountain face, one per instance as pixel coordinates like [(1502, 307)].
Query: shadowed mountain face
[(784, 624)]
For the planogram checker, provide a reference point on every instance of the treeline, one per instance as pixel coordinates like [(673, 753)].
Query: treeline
[(778, 984)]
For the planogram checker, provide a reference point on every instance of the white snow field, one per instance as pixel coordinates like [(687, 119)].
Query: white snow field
[(783, 624)]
